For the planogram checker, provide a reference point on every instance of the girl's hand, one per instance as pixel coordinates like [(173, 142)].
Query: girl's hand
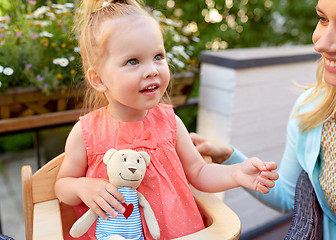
[(217, 151), (257, 175), (101, 196)]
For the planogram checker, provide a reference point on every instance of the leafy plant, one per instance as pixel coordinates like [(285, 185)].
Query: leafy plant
[(37, 48)]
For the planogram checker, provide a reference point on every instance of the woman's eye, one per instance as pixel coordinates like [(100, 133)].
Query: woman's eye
[(158, 57), (132, 62), (322, 19)]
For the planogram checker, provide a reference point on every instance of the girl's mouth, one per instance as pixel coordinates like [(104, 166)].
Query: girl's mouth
[(150, 88)]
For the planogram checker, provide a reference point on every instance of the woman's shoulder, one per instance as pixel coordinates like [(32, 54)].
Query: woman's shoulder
[(304, 95), (305, 105)]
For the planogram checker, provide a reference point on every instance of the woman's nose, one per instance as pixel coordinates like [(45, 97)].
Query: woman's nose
[(326, 42)]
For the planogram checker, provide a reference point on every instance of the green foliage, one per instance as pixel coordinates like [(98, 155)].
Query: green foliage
[(17, 142), (225, 24)]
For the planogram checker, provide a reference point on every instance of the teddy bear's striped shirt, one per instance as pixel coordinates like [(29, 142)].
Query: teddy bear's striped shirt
[(130, 228)]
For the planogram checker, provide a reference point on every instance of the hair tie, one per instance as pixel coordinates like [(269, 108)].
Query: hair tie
[(105, 4), (108, 3)]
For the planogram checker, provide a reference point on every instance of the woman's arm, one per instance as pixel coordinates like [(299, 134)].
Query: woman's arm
[(281, 197)]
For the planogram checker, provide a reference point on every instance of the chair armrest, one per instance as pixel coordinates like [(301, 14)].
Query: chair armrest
[(225, 224), (47, 222)]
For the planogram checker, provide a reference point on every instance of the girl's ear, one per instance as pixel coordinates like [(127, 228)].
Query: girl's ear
[(95, 80)]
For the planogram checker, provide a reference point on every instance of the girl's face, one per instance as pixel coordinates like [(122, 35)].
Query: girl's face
[(135, 74), (324, 38)]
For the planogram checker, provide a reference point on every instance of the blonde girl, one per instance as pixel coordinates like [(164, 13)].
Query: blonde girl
[(126, 69)]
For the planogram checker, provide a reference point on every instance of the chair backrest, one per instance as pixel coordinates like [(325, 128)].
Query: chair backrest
[(40, 188), (307, 222)]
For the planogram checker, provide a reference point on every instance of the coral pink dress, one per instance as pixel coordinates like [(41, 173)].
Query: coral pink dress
[(165, 185)]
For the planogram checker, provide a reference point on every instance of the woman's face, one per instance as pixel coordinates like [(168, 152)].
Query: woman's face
[(324, 38)]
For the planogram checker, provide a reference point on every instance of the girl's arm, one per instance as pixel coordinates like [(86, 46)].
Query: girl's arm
[(72, 187), (253, 173)]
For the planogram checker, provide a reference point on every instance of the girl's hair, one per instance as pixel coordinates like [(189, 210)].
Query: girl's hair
[(92, 48), (325, 110)]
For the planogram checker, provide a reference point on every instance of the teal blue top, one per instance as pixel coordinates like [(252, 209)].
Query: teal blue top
[(301, 153)]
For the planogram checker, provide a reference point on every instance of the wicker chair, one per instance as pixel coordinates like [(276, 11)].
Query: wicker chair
[(307, 222)]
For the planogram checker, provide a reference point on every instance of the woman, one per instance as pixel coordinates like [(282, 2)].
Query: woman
[(311, 133)]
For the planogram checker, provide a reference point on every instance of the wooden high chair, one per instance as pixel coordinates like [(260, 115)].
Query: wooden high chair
[(46, 218)]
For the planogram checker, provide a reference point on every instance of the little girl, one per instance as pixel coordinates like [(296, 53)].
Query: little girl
[(125, 65)]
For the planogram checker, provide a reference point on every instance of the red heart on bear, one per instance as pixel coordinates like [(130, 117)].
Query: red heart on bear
[(128, 209)]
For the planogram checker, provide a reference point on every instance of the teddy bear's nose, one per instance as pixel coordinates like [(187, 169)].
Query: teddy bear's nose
[(132, 169)]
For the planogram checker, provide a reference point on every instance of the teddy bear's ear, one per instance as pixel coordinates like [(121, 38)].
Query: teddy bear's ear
[(108, 155), (145, 156)]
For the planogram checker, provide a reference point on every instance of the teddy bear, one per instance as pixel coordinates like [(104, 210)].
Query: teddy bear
[(125, 169)]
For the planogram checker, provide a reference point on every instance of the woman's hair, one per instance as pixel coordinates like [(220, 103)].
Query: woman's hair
[(325, 110), (93, 39)]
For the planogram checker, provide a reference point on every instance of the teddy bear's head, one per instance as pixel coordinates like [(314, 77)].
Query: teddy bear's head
[(126, 168)]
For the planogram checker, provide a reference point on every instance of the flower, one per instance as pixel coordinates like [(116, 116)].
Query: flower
[(56, 61), (64, 62), (46, 34), (39, 77), (1, 69), (8, 71)]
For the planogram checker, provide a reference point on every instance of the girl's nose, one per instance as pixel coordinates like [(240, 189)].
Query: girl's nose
[(151, 71), (326, 42)]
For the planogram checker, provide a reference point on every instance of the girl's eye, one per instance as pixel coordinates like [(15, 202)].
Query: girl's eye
[(132, 62), (158, 57)]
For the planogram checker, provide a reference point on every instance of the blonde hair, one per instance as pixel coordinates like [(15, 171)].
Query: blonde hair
[(93, 51), (325, 110)]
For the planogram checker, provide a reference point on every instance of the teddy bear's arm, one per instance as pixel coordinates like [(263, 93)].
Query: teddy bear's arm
[(151, 221), (83, 224)]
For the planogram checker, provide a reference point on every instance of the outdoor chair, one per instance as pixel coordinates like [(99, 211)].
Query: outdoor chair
[(307, 221), (47, 218)]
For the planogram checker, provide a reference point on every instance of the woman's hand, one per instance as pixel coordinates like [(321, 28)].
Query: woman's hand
[(217, 151), (101, 196)]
